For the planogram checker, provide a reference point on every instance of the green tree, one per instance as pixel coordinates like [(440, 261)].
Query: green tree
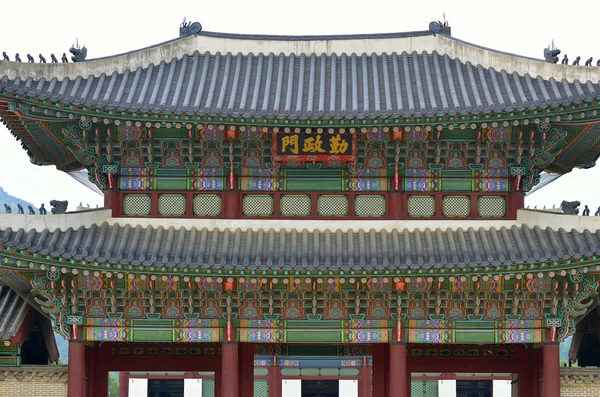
[(113, 384)]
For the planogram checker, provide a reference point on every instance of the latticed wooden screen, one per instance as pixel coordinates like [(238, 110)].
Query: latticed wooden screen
[(261, 388), (207, 205), (332, 205), (491, 207), (424, 388), (456, 206), (295, 205), (137, 204), (208, 388), (171, 204), (369, 206), (257, 205), (421, 206)]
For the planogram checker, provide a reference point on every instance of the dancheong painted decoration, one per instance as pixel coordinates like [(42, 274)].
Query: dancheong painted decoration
[(332, 211)]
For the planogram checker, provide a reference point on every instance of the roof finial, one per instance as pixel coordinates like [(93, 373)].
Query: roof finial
[(79, 53), (189, 28), (551, 53)]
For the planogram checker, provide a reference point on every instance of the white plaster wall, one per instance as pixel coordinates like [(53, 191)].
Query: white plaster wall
[(348, 388), (192, 387), (86, 219), (138, 387), (502, 388), (53, 222), (289, 224), (447, 388), (176, 49), (291, 388), (557, 221)]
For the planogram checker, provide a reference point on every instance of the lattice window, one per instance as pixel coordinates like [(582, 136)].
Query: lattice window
[(333, 205), (137, 204), (421, 206), (171, 204), (456, 206), (207, 205), (261, 388), (258, 205), (295, 205), (491, 207), (369, 205), (208, 388), (424, 388)]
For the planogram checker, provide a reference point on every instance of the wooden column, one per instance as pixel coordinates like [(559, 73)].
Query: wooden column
[(231, 204), (275, 388), (229, 370), (364, 381), (246, 369), (123, 384), (112, 201), (101, 383), (551, 362), (380, 367), (398, 370), (218, 381), (76, 369)]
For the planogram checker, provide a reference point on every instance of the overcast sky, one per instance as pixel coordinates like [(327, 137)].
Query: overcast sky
[(111, 27)]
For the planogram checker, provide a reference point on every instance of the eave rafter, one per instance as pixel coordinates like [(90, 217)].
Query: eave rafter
[(576, 113)]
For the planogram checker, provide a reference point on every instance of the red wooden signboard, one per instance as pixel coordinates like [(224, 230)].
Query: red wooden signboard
[(314, 147)]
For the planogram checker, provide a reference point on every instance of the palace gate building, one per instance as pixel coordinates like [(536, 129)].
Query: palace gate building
[(281, 202)]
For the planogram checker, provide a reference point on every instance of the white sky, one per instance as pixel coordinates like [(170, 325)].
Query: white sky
[(111, 27)]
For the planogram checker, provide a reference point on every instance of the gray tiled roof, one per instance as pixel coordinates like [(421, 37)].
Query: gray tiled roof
[(310, 87), (306, 250), (12, 312)]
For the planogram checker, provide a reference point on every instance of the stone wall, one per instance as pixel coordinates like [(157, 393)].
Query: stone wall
[(580, 382), (34, 381)]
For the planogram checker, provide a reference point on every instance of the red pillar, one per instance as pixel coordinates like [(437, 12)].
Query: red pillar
[(218, 383), (76, 369), (364, 381), (398, 379), (275, 388), (379, 369), (101, 383), (246, 369), (231, 204), (112, 201), (551, 370), (123, 384), (229, 370), (90, 370)]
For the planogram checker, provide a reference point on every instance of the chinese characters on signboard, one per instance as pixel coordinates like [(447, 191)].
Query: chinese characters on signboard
[(315, 147)]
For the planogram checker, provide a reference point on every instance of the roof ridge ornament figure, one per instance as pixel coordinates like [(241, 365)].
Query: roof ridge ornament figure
[(17, 57), (589, 61), (64, 58), (551, 53), (30, 59), (570, 207), (53, 58), (6, 58), (42, 59), (576, 61), (59, 207), (79, 53), (565, 60), (189, 28)]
